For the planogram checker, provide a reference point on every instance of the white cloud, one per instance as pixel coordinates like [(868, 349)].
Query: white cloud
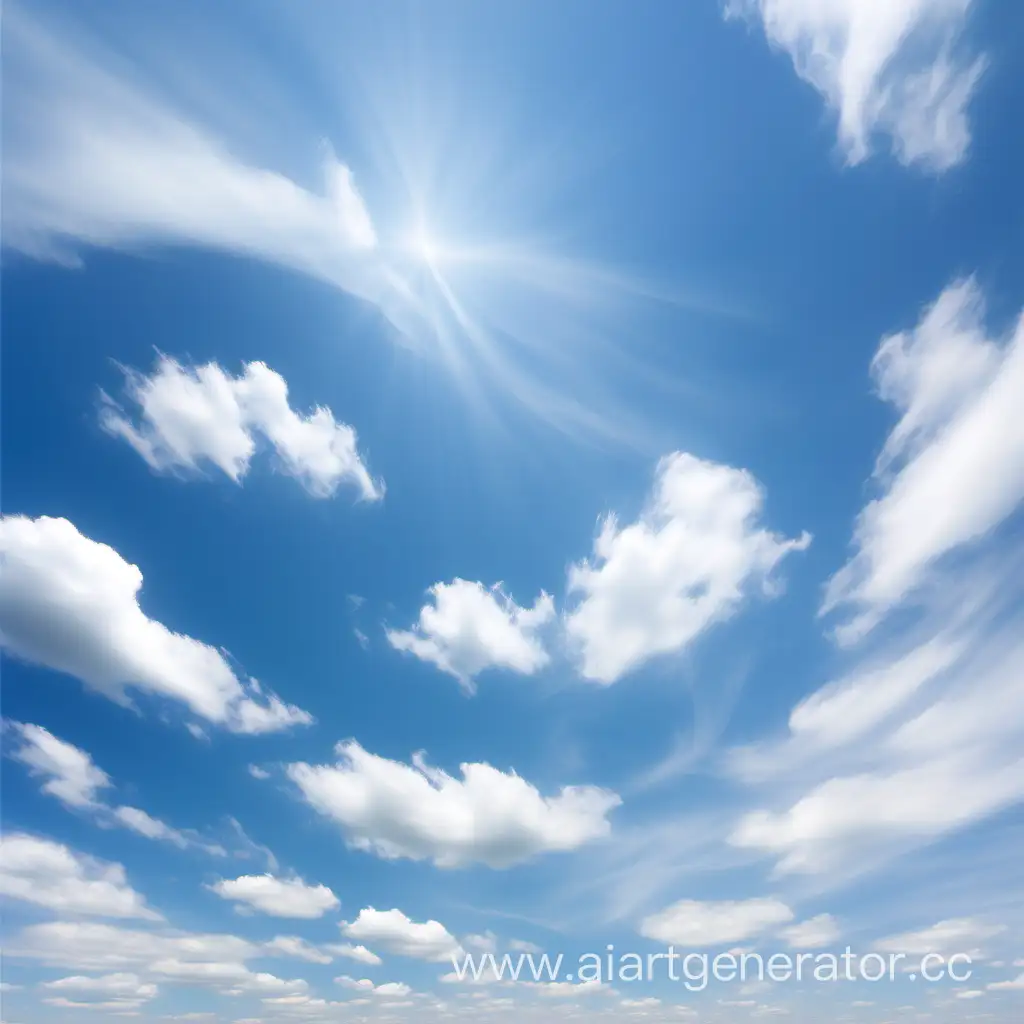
[(393, 932), (814, 933), (152, 828), (93, 160), (91, 946), (193, 415), (50, 875), (355, 952), (952, 468), (923, 736), (121, 993), (298, 949), (71, 604), (696, 923), (963, 935), (258, 773), (229, 977), (421, 813), (470, 628), (395, 989), (884, 66), (71, 775), (686, 563), (1010, 985), (279, 897)]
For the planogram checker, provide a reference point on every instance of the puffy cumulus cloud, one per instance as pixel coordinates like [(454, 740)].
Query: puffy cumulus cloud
[(278, 897), (814, 933), (393, 932), (470, 628), (884, 66), (653, 586), (120, 993), (419, 812), (354, 952), (51, 875), (71, 604), (696, 923), (69, 773), (952, 468), (192, 416)]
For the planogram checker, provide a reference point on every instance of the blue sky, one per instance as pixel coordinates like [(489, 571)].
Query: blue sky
[(510, 477)]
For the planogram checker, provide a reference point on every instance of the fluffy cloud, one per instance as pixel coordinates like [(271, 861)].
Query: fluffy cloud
[(50, 875), (278, 897), (695, 923), (296, 948), (422, 813), (393, 932), (152, 828), (952, 468), (119, 993), (71, 604), (883, 66), (191, 416), (395, 989), (355, 952), (210, 961), (91, 946), (686, 563), (70, 774), (813, 933), (470, 628)]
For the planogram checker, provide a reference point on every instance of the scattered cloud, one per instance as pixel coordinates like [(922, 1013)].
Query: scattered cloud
[(470, 628), (695, 923), (393, 932), (892, 67), (278, 897), (653, 586), (51, 875), (190, 416), (952, 469), (355, 952), (70, 774), (120, 993), (419, 812), (296, 948), (814, 933), (964, 935), (71, 604)]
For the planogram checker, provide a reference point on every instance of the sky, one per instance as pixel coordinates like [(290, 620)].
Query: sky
[(511, 478)]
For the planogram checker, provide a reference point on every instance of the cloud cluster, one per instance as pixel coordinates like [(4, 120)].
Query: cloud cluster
[(419, 812), (394, 932), (884, 66), (51, 875), (71, 604), (923, 735), (278, 897), (687, 562), (197, 415), (470, 628)]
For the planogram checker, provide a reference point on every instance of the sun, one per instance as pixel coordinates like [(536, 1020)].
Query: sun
[(423, 246)]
